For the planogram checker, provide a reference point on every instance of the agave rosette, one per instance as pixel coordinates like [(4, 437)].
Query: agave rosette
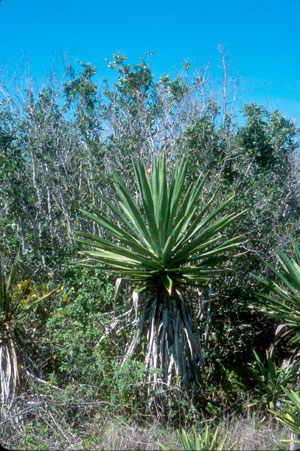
[(165, 238)]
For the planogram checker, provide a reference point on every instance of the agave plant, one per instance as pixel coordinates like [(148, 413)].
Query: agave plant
[(267, 381), (209, 440), (164, 242), (282, 300), (13, 310)]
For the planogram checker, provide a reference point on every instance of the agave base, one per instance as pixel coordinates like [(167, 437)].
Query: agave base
[(173, 352)]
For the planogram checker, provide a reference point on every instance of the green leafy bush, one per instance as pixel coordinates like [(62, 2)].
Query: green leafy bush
[(77, 322)]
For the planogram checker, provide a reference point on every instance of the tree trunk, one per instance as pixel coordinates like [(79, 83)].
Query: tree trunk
[(173, 351)]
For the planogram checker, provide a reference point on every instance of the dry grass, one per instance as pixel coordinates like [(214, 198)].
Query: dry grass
[(252, 435), (249, 437), (35, 427), (119, 435)]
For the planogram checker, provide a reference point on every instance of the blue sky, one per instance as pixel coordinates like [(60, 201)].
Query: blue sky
[(262, 37)]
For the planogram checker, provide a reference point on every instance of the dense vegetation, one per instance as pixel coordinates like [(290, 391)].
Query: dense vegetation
[(85, 165)]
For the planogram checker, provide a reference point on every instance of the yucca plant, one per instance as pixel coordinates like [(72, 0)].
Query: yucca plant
[(282, 300), (13, 310), (209, 440), (267, 381), (164, 242)]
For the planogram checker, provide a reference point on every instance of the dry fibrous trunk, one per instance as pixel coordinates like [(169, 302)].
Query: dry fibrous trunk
[(9, 370), (174, 355), (15, 363)]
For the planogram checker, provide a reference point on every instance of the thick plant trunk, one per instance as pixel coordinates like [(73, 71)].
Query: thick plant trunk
[(173, 350), (9, 370)]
